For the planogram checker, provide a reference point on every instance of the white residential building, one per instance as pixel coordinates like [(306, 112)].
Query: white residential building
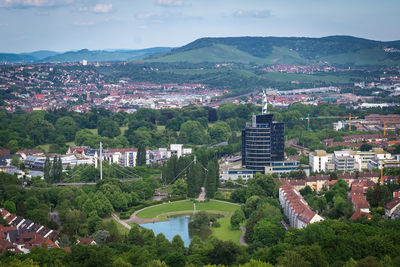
[(320, 161), (296, 208), (344, 160)]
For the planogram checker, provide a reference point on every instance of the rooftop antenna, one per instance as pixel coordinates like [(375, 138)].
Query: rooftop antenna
[(264, 102)]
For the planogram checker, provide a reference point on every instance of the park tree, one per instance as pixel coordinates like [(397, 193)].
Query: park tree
[(220, 132), (239, 195), (379, 195), (292, 259), (237, 218), (365, 147), (261, 185), (10, 206), (141, 156), (195, 179), (192, 132), (226, 111), (67, 127), (178, 244), (211, 179), (109, 128), (12, 145), (268, 231), (15, 161), (179, 188)]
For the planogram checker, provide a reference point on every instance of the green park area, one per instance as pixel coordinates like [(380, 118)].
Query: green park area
[(187, 206), (224, 232)]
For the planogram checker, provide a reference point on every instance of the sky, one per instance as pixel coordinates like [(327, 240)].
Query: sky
[(63, 25)]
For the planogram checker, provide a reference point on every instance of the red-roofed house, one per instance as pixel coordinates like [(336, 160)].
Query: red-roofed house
[(86, 241), (8, 246), (360, 203), (296, 208), (396, 193), (358, 214), (391, 207)]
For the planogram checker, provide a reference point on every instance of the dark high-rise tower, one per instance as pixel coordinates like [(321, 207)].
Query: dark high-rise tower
[(262, 141)]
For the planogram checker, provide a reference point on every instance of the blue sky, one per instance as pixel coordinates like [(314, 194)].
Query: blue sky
[(61, 25)]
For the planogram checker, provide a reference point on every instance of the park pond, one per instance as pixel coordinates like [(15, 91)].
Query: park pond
[(177, 225)]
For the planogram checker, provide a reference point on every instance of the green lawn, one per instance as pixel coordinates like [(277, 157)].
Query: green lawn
[(161, 127), (72, 143), (44, 147), (225, 232), (187, 206), (123, 129)]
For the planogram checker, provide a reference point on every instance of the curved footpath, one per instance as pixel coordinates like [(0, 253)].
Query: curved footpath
[(241, 239)]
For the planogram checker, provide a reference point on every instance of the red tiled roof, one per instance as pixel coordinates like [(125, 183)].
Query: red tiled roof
[(86, 241), (121, 150), (392, 204), (6, 245), (304, 213), (4, 152), (359, 214)]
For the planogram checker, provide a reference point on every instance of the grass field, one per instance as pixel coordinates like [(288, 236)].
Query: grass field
[(123, 129), (225, 232), (187, 206)]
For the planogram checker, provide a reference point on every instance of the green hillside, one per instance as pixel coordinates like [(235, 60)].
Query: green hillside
[(335, 50), (103, 55)]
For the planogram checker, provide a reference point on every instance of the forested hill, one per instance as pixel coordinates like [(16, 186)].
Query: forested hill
[(76, 56), (336, 50)]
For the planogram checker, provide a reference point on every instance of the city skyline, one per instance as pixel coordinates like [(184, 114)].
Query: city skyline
[(63, 25)]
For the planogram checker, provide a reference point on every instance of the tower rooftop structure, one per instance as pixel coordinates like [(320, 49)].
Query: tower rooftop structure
[(262, 141)]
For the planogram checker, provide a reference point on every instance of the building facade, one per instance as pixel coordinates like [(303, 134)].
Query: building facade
[(296, 208), (262, 142)]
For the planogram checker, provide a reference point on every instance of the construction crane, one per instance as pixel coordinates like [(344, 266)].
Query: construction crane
[(388, 122), (308, 118)]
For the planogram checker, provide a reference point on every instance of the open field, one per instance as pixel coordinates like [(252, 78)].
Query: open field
[(225, 232), (187, 206)]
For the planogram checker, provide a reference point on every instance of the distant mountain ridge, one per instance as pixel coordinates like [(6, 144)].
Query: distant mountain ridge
[(335, 50), (75, 56), (330, 50)]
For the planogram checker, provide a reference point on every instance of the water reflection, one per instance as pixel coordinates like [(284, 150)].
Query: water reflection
[(177, 225)]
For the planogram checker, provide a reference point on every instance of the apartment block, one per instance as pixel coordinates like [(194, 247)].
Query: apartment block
[(296, 208)]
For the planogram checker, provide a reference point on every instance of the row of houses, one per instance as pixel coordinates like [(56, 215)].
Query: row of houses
[(22, 234), (296, 208)]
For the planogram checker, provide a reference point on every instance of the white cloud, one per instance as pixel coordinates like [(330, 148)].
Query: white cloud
[(169, 2), (33, 3), (102, 8), (252, 13)]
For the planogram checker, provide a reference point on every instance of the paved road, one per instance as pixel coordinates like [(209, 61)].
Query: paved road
[(120, 221), (241, 240), (202, 195)]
